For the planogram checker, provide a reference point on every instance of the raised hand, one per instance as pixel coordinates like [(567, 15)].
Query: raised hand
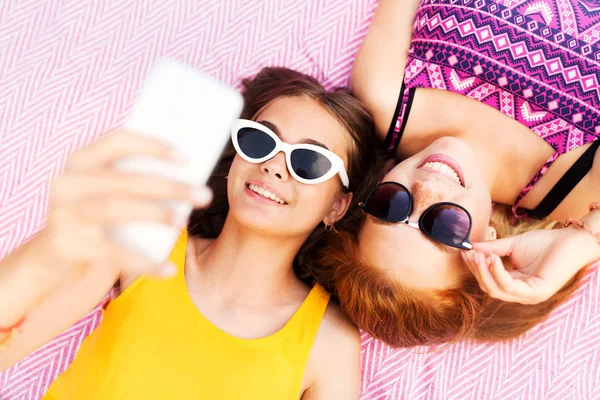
[(91, 195), (543, 261)]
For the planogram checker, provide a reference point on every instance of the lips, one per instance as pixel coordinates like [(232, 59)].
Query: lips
[(445, 166), (266, 192)]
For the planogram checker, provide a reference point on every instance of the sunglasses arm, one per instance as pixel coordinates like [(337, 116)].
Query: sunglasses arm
[(411, 224)]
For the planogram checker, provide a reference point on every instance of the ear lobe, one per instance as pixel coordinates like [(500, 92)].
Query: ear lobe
[(339, 208), (491, 233)]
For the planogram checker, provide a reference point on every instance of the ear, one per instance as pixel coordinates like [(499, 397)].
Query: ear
[(338, 209), (490, 233)]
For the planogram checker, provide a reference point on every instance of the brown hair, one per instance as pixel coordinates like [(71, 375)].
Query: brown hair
[(274, 83), (401, 317)]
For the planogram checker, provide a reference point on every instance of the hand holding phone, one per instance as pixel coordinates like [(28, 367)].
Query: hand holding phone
[(191, 112)]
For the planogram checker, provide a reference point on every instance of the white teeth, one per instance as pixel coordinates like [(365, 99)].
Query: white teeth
[(444, 169), (265, 193)]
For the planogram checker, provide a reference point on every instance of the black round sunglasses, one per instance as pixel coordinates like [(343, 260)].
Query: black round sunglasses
[(445, 222)]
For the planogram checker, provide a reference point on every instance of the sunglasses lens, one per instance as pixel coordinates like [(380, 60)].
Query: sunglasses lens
[(309, 164), (389, 202), (447, 224), (255, 143)]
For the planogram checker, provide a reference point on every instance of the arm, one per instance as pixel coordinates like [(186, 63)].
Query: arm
[(59, 308), (335, 360), (379, 66), (55, 278), (23, 283)]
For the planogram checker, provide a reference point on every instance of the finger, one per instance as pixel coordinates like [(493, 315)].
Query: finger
[(524, 290), (469, 259), (489, 284), (70, 188), (502, 247), (117, 145), (518, 288), (121, 210)]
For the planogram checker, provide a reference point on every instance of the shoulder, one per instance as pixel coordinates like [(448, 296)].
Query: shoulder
[(339, 339), (334, 362), (337, 332), (337, 327)]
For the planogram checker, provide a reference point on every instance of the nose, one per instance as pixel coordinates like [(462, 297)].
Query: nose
[(425, 194), (276, 167)]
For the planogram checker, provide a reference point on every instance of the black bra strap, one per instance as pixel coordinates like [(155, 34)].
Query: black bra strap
[(568, 181), (401, 113)]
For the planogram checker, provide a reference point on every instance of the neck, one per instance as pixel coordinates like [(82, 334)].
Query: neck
[(248, 267)]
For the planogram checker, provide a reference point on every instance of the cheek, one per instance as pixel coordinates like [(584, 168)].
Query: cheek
[(240, 171), (481, 214), (237, 166), (316, 200)]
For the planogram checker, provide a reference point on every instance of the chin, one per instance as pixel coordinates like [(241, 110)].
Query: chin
[(451, 142), (256, 219)]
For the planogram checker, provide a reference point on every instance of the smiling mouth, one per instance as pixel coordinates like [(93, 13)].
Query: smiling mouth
[(444, 165), (443, 169), (265, 193)]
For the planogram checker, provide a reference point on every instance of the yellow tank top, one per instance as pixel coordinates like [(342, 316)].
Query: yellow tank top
[(153, 343)]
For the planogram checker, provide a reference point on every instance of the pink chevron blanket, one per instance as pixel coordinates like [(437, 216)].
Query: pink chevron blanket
[(68, 72)]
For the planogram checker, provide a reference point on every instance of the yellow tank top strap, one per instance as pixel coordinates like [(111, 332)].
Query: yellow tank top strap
[(177, 255)]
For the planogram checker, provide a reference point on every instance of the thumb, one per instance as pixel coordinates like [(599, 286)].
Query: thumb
[(501, 247)]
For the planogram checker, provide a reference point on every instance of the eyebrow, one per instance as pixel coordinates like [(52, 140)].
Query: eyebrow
[(274, 128)]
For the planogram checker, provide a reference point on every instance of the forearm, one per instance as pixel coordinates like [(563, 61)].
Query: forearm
[(379, 66), (23, 284)]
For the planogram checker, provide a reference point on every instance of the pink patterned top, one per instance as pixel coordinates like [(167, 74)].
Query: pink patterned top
[(537, 61)]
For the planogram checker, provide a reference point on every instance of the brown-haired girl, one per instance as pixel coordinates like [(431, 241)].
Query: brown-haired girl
[(233, 321)]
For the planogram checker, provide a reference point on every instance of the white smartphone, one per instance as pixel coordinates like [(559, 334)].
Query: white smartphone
[(192, 112)]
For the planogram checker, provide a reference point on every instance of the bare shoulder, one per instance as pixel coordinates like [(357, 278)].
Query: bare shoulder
[(336, 326), (333, 370)]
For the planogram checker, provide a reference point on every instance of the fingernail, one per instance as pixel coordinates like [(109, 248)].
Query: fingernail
[(202, 195), (167, 270)]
